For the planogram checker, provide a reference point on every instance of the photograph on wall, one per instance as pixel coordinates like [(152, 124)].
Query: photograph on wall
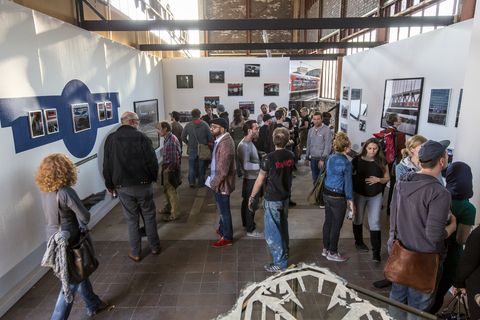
[(217, 76), (81, 117), (51, 119), (212, 101), (458, 107), (438, 106), (235, 89), (249, 105), (35, 120), (356, 94), (304, 82), (345, 92), (355, 109), (108, 110), (252, 70), (403, 97), (362, 125), (184, 81), (344, 127), (147, 111), (185, 116), (101, 111), (363, 110), (271, 89), (344, 111)]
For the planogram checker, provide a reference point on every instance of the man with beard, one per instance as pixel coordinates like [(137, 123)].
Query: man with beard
[(222, 179), (250, 165)]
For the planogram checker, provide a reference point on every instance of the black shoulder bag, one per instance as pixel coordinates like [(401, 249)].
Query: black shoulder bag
[(81, 260)]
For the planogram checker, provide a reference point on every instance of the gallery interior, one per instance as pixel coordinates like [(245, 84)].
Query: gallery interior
[(72, 67)]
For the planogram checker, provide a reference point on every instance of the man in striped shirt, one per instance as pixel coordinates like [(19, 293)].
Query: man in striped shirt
[(171, 155)]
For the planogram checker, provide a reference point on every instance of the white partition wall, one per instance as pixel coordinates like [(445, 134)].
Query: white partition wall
[(39, 55), (437, 56), (272, 70)]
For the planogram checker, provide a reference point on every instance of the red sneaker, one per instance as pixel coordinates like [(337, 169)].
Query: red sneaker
[(222, 243)]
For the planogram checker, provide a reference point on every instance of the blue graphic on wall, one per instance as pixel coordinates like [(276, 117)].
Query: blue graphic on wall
[(17, 113)]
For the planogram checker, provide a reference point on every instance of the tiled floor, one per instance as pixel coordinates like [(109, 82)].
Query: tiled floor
[(189, 279)]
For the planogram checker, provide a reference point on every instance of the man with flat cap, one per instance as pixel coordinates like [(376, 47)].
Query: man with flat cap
[(222, 179), (419, 217)]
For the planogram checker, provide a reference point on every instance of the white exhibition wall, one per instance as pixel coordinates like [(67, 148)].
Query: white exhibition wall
[(38, 56), (439, 57), (468, 149), (272, 70)]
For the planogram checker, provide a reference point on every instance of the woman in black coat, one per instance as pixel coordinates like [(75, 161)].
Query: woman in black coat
[(468, 273)]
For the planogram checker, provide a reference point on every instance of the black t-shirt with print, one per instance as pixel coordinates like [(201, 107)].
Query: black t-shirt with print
[(278, 166)]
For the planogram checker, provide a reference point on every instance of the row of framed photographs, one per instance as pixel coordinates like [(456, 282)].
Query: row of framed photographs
[(45, 121), (233, 89)]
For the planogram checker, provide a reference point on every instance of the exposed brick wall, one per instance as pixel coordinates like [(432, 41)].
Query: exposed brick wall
[(313, 12), (357, 8), (330, 9)]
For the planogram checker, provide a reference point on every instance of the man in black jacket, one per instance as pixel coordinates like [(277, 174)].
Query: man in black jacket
[(129, 168)]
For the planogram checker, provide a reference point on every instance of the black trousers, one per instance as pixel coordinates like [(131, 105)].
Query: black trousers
[(248, 216), (335, 208)]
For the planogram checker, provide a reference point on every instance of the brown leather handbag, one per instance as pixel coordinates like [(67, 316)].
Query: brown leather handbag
[(409, 268), (412, 269)]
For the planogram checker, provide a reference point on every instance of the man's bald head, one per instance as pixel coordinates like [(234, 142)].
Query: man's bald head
[(130, 118)]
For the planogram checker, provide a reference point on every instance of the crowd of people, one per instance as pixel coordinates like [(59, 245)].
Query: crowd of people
[(428, 199)]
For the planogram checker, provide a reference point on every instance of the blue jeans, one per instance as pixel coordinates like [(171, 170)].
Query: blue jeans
[(335, 208), (373, 205), (62, 308), (138, 200), (411, 297), (315, 170), (276, 231), (225, 223), (196, 169)]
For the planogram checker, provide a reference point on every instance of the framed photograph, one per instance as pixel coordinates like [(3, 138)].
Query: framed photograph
[(344, 111), (108, 110), (52, 120), (101, 111), (363, 110), (147, 111), (185, 81), (81, 117), (345, 93), (249, 105), (35, 120), (212, 101), (403, 97), (355, 109), (185, 116), (271, 89), (252, 70), (344, 127), (362, 125), (438, 106), (458, 107), (235, 89), (217, 76), (356, 94)]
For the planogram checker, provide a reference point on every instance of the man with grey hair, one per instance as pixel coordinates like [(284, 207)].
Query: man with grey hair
[(130, 166)]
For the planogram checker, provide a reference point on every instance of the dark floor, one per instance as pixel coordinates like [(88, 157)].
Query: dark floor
[(189, 279)]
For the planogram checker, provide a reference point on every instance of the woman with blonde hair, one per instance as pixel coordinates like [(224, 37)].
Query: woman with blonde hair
[(337, 194), (410, 162), (65, 212)]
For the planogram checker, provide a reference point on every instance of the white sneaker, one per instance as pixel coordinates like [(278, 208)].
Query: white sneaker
[(322, 207), (255, 234), (336, 257), (324, 252)]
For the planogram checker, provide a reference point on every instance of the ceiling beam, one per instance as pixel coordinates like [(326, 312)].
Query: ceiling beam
[(257, 46), (266, 24)]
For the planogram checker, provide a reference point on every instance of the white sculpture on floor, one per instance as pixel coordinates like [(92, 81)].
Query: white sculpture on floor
[(275, 292)]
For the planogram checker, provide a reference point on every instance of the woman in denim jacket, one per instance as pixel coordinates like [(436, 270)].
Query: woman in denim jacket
[(337, 194)]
